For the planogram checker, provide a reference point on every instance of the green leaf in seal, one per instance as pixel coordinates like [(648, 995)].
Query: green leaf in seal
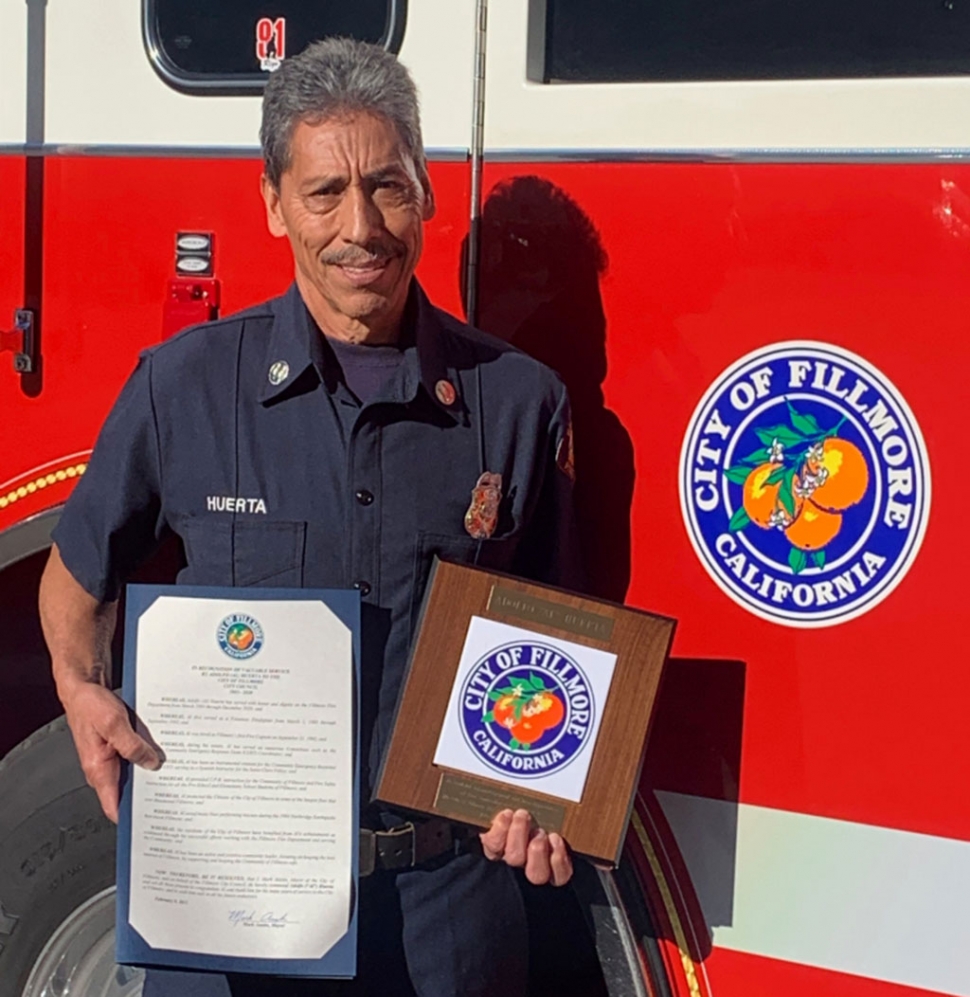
[(819, 558), (738, 474), (776, 475), (514, 744), (785, 494), (489, 718), (783, 434), (494, 695), (797, 560), (739, 520), (537, 684), (526, 747), (759, 456), (804, 423)]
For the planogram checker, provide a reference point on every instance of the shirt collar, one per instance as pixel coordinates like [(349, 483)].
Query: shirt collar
[(295, 346), (290, 351)]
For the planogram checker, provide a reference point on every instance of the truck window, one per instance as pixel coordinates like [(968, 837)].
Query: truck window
[(231, 46), (609, 41)]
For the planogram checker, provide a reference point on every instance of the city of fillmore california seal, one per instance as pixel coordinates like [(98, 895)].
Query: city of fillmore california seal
[(240, 635), (527, 709), (805, 484)]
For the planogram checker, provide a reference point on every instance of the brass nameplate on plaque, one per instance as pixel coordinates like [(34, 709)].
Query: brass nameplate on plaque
[(509, 602), (478, 803)]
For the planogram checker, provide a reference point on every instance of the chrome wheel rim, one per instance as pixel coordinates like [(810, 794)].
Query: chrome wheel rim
[(78, 959)]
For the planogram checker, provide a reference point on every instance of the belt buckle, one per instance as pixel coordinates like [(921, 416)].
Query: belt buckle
[(367, 852), (404, 830)]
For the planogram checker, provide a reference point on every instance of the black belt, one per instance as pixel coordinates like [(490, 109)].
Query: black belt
[(409, 845)]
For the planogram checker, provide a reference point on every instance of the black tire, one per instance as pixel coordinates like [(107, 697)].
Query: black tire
[(57, 849)]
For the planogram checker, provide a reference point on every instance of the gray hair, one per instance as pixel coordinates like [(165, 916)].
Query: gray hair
[(332, 77)]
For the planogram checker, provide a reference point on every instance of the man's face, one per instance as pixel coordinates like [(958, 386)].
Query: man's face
[(352, 205)]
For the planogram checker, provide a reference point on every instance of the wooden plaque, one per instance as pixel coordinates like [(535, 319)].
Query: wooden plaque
[(457, 600)]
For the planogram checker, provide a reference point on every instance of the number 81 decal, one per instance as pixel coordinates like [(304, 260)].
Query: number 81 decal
[(270, 43)]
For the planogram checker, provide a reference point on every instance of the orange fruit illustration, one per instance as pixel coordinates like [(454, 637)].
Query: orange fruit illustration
[(528, 715), (761, 501), (545, 708), (240, 637), (504, 711), (814, 527), (528, 730), (543, 711), (846, 475)]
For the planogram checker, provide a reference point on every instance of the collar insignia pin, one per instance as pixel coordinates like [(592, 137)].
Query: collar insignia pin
[(279, 372), (482, 516), (445, 392)]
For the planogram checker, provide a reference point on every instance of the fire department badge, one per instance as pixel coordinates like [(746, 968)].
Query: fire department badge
[(527, 709), (240, 635), (482, 515), (804, 484)]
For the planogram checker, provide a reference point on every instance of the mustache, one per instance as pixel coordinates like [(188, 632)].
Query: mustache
[(361, 256)]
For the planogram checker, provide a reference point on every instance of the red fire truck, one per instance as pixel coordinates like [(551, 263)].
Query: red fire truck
[(741, 232)]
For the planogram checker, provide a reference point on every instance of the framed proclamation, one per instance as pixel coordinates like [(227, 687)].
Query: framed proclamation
[(239, 853), (523, 696)]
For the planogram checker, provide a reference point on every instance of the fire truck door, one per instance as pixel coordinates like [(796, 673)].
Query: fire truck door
[(671, 190)]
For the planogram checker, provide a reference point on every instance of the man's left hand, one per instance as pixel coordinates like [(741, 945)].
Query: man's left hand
[(513, 839)]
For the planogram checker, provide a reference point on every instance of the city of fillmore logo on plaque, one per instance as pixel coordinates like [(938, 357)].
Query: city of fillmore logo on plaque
[(805, 484), (525, 708), (240, 635)]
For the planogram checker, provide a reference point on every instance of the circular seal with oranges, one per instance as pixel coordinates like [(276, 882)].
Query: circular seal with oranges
[(804, 484), (526, 709), (240, 635)]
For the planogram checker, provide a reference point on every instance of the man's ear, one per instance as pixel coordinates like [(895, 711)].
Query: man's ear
[(274, 214)]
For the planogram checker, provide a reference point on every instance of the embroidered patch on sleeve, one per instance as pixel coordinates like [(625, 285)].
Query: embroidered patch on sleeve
[(565, 456)]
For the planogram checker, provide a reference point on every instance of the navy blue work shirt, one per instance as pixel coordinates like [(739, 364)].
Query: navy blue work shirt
[(240, 436)]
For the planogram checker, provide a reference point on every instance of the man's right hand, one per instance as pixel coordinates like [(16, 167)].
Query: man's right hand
[(103, 735), (78, 631)]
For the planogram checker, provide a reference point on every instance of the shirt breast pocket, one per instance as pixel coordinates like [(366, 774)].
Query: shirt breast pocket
[(244, 553), (494, 554)]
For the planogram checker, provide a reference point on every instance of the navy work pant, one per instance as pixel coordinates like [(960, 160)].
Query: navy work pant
[(457, 930)]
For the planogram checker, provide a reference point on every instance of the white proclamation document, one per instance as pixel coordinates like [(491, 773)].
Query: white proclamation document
[(242, 843)]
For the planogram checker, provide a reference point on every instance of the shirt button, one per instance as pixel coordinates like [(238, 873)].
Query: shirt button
[(363, 588), (363, 496)]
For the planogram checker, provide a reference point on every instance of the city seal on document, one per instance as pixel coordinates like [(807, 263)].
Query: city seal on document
[(240, 635), (527, 709), (805, 484)]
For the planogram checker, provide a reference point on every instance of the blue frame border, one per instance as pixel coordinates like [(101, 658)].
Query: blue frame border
[(130, 948)]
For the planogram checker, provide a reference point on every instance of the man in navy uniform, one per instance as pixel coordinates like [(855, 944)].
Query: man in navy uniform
[(332, 438)]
